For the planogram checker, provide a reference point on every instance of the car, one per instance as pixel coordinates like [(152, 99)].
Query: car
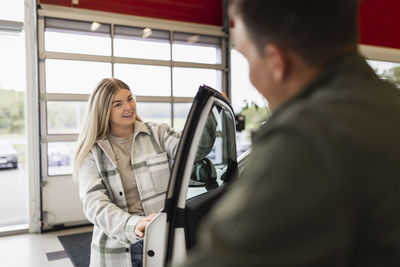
[(194, 186), (58, 154), (8, 155)]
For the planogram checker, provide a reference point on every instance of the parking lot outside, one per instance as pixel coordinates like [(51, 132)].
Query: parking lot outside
[(14, 196)]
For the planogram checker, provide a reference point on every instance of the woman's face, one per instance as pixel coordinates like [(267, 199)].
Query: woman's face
[(123, 110)]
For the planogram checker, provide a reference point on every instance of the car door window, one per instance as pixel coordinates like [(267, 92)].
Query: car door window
[(214, 153)]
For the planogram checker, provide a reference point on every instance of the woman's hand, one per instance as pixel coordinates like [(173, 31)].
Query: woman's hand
[(142, 224)]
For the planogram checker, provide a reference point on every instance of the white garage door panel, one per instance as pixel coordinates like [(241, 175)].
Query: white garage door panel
[(61, 203)]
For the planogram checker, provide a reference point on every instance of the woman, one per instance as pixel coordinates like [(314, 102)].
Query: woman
[(123, 168)]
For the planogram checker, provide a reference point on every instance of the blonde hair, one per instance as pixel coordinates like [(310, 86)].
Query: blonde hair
[(96, 124)]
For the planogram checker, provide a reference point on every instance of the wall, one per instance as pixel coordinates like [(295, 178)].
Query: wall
[(380, 23), (195, 11)]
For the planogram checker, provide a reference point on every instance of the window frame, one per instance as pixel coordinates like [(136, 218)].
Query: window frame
[(380, 53)]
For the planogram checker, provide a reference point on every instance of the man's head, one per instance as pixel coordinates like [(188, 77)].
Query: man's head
[(278, 36), (314, 29)]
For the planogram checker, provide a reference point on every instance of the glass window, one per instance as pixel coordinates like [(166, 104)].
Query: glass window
[(181, 111), (142, 43), (14, 181), (14, 207), (12, 55), (77, 37), (213, 156), (59, 158), (389, 71), (73, 76), (196, 48), (154, 112), (77, 43), (12, 111), (188, 80), (65, 117), (144, 79), (246, 100), (242, 90), (12, 10)]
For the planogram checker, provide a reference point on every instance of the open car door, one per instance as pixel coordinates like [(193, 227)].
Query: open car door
[(206, 162)]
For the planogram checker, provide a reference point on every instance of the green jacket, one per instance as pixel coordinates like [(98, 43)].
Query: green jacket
[(322, 187)]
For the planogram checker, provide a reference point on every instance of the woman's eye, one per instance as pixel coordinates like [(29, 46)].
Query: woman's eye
[(130, 99), (117, 105)]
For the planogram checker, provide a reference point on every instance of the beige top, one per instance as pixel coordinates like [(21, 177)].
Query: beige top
[(122, 151)]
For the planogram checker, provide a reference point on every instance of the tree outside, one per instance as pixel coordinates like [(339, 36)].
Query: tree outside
[(388, 71), (12, 119), (254, 115), (392, 75)]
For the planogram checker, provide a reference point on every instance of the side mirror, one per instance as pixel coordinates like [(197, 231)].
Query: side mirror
[(204, 175)]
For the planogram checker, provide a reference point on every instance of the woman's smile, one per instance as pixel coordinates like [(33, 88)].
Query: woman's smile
[(129, 115)]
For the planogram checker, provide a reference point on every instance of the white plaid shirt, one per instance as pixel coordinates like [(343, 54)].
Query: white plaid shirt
[(102, 194)]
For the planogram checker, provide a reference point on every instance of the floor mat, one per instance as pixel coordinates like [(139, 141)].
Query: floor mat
[(77, 247)]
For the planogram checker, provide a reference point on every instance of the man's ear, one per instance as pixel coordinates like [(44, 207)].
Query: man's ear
[(277, 61)]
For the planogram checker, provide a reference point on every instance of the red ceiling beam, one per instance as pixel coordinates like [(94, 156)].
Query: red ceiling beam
[(379, 19), (195, 11), (380, 23)]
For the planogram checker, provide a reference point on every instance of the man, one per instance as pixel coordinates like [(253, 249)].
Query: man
[(322, 187)]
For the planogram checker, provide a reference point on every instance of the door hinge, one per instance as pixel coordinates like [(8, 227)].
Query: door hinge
[(43, 183)]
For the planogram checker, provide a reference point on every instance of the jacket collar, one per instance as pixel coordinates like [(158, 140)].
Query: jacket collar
[(140, 127), (342, 63), (327, 74), (105, 145)]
